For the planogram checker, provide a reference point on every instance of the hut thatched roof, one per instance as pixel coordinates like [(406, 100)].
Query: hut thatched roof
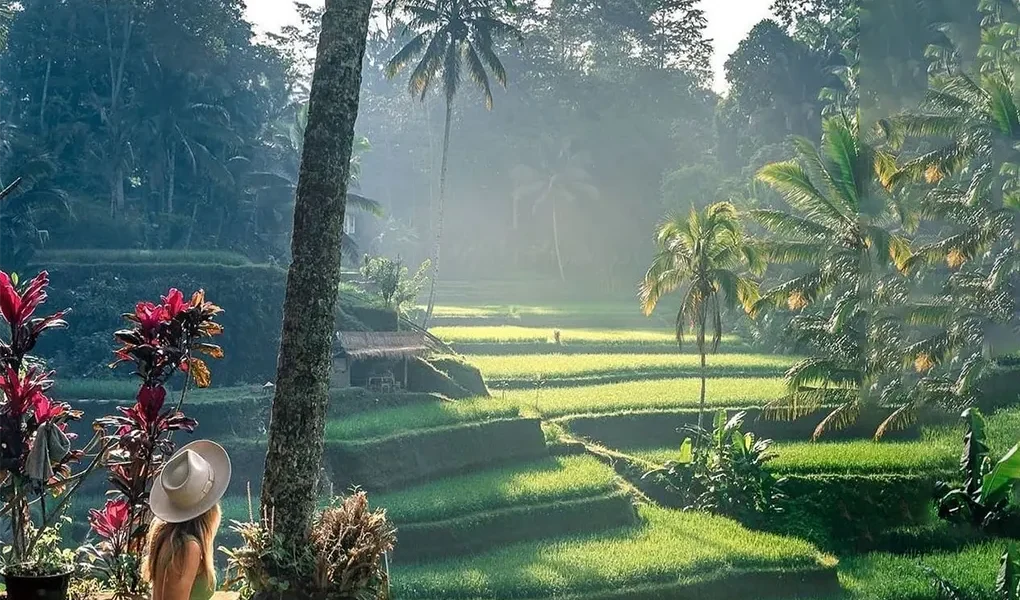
[(362, 345)]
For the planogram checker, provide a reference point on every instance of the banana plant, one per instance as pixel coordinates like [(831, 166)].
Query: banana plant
[(987, 496)]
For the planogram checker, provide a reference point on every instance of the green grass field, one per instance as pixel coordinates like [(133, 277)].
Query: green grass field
[(938, 450), (658, 394), (547, 480), (379, 423), (882, 576), (549, 367), (669, 546), (513, 334)]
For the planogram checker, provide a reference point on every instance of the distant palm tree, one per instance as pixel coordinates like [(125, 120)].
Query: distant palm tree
[(845, 231), (560, 177), (702, 253), (450, 36)]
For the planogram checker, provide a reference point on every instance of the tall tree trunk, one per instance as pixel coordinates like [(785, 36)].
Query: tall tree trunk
[(294, 455), (171, 182), (117, 191), (45, 95), (556, 243), (439, 214), (702, 317)]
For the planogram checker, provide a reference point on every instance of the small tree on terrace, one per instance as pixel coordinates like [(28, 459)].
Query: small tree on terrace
[(702, 254)]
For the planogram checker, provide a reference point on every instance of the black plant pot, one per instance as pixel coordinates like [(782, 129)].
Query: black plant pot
[(46, 587)]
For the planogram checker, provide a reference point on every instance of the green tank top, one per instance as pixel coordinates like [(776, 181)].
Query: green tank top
[(201, 589)]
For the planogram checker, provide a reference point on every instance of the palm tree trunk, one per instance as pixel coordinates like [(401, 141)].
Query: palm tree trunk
[(294, 455), (117, 191), (702, 317), (171, 178), (439, 213), (556, 244)]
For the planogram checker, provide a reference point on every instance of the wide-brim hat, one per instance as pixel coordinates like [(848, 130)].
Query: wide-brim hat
[(191, 482)]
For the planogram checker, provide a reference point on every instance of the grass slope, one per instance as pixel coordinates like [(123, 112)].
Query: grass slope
[(881, 576), (668, 546), (515, 334), (547, 480), (378, 423), (539, 367), (658, 394)]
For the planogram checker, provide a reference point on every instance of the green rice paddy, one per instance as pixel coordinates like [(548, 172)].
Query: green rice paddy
[(379, 423), (658, 394), (513, 334), (519, 485), (669, 546), (549, 367)]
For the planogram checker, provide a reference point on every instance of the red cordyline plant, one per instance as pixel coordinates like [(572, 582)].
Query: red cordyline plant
[(35, 446), (163, 339)]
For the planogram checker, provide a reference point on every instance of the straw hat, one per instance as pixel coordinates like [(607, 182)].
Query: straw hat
[(192, 482)]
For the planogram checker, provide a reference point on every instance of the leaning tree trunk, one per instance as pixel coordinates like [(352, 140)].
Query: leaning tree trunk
[(556, 243), (440, 214), (295, 445)]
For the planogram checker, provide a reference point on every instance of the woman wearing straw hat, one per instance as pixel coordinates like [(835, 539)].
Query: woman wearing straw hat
[(185, 504)]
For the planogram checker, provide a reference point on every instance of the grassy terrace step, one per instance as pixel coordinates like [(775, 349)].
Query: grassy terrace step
[(511, 339), (493, 529), (376, 423), (548, 368), (402, 459), (669, 552), (546, 480), (660, 394), (881, 576), (658, 428)]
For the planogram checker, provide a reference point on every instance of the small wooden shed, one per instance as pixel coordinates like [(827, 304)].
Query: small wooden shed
[(363, 348)]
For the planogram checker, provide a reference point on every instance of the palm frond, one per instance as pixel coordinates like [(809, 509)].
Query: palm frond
[(794, 185), (900, 419), (405, 55), (359, 202), (840, 418), (476, 70), (786, 224)]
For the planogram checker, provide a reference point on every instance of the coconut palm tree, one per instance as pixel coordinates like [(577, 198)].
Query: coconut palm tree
[(450, 37), (297, 424), (701, 253), (846, 229), (559, 178)]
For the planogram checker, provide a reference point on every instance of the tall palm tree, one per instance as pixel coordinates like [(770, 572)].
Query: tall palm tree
[(451, 36), (701, 254), (846, 228), (559, 178), (297, 424)]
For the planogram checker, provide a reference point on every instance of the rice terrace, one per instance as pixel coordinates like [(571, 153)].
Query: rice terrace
[(509, 300)]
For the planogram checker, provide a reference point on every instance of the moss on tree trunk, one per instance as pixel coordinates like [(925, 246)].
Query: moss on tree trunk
[(295, 445)]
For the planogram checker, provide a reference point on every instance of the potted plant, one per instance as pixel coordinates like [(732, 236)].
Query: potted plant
[(163, 340), (35, 449)]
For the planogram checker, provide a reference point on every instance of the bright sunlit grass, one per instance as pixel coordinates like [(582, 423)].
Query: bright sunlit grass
[(513, 334), (520, 485), (417, 416), (659, 394), (881, 576), (538, 367), (669, 546)]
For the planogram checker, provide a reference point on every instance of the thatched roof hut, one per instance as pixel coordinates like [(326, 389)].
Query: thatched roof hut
[(390, 345)]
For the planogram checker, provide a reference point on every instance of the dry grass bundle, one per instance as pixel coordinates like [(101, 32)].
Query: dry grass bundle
[(349, 541)]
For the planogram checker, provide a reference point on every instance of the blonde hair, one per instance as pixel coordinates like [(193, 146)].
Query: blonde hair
[(166, 542)]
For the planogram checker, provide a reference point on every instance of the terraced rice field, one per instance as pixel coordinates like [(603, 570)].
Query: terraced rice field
[(513, 334), (378, 423), (547, 480), (658, 394), (669, 547), (551, 367)]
